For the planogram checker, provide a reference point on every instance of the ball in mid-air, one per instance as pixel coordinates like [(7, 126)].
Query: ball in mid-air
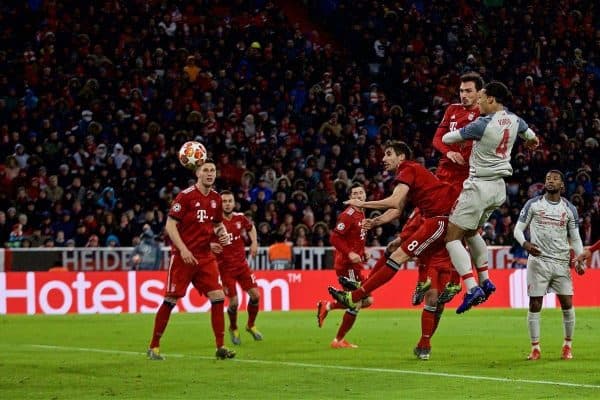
[(192, 155)]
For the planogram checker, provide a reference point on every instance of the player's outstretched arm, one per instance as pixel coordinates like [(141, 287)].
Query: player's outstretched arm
[(388, 216), (396, 200)]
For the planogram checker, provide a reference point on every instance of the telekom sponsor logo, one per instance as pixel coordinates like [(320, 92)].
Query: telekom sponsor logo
[(106, 293)]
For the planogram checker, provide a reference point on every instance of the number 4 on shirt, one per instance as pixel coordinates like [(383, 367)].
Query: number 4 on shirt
[(502, 148)]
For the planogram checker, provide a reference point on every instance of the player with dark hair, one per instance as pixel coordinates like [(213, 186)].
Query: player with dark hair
[(348, 239), (484, 191), (553, 225), (435, 199), (195, 216), (234, 267)]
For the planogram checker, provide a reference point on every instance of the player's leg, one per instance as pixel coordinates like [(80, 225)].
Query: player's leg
[(464, 220), (479, 254), (462, 263), (568, 311), (232, 313), (533, 324), (428, 237), (423, 348), (206, 281), (253, 306), (538, 278), (228, 281), (347, 322), (350, 315), (444, 276), (562, 284), (422, 286), (178, 279)]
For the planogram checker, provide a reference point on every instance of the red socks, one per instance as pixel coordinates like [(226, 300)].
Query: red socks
[(232, 313), (160, 323), (217, 320), (427, 327), (252, 312), (347, 322)]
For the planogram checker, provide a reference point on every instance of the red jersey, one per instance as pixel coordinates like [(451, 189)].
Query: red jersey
[(456, 116), (234, 253), (348, 236), (432, 196), (196, 215)]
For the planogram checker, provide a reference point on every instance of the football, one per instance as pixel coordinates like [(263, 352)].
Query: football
[(192, 155)]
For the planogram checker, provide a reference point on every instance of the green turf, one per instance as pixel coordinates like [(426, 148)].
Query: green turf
[(101, 356)]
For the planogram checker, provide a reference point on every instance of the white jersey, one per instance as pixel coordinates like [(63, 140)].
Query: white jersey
[(551, 225), (494, 136)]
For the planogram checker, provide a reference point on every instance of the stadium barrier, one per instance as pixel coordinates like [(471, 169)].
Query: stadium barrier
[(141, 292), (89, 259)]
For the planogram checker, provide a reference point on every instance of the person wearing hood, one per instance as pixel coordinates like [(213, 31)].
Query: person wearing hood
[(147, 254), (107, 198)]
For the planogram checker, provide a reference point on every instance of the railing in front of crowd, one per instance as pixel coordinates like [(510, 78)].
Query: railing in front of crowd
[(119, 258)]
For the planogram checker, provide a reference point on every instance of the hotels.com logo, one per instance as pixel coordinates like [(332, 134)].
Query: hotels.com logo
[(112, 293)]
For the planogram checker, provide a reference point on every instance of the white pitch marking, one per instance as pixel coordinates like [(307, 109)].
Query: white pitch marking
[(336, 367)]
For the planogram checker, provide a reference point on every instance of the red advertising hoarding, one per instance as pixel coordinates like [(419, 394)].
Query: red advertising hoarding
[(141, 292)]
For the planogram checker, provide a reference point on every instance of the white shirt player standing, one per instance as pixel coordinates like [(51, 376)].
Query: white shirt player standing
[(554, 230), (484, 191)]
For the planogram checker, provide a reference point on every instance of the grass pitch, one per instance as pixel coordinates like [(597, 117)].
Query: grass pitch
[(479, 355)]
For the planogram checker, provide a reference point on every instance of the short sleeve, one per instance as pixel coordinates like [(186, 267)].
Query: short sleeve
[(522, 126), (177, 210), (475, 129), (343, 223), (407, 175)]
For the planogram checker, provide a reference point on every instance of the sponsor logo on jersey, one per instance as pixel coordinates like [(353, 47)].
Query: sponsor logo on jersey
[(213, 204)]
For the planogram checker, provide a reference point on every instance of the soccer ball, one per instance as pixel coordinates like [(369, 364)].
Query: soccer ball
[(192, 155)]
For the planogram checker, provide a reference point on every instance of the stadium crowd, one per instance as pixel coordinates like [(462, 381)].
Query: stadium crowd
[(96, 99)]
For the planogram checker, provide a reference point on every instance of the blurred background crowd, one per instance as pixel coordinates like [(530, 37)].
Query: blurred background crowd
[(96, 99)]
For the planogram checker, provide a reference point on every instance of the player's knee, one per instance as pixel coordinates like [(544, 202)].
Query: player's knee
[(233, 303), (431, 298), (367, 302), (170, 301), (566, 302), (254, 296), (216, 296), (399, 256), (535, 304)]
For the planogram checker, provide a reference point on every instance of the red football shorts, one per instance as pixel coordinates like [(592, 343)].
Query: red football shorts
[(204, 276), (242, 275), (427, 238)]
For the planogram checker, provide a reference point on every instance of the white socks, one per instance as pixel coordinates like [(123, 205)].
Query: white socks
[(479, 254), (568, 325), (462, 262), (533, 323)]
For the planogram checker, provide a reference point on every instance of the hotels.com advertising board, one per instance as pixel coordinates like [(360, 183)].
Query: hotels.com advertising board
[(141, 292)]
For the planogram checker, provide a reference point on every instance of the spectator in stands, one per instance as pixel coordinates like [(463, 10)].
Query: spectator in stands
[(147, 254), (270, 100), (280, 253)]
